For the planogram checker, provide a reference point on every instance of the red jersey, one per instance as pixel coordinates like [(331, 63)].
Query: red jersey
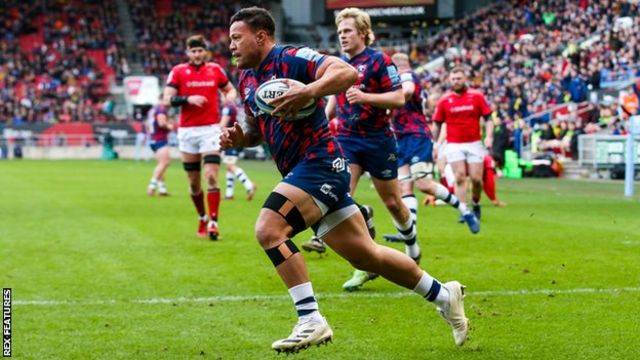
[(203, 80), (462, 115)]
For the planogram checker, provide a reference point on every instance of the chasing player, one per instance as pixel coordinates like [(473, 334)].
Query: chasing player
[(365, 133)]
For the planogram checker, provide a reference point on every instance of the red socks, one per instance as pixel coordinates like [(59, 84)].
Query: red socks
[(198, 202), (213, 200)]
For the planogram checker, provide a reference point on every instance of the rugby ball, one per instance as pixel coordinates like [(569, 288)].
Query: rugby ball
[(272, 89)]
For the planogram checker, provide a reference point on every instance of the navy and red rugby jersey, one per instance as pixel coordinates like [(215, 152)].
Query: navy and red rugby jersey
[(290, 141), (376, 74), (410, 119)]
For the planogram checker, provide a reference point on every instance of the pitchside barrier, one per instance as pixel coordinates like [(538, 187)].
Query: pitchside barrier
[(86, 147)]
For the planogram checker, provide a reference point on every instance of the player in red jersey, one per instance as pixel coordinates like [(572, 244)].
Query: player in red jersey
[(461, 109), (193, 87)]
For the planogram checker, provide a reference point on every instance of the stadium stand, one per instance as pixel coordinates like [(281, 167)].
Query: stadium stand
[(57, 60), (534, 60)]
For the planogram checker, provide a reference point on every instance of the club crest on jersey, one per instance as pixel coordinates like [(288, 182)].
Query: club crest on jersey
[(392, 157), (362, 68)]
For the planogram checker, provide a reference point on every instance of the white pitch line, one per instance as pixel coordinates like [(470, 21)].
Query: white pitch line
[(362, 295)]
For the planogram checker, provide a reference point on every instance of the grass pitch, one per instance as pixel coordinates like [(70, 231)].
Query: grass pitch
[(101, 271)]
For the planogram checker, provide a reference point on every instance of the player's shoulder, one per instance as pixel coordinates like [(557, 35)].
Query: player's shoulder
[(475, 92), (213, 65), (376, 54), (446, 96), (302, 53), (180, 67)]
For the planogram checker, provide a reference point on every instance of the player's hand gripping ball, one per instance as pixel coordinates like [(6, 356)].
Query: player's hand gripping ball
[(275, 88)]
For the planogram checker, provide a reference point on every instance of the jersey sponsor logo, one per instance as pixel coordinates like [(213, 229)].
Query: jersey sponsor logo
[(201, 84), (309, 54), (393, 74), (328, 190), (461, 108)]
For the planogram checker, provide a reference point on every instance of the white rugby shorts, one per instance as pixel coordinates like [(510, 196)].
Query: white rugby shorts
[(199, 139), (472, 152)]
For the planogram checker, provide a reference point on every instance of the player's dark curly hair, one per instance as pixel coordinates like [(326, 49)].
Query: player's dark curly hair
[(257, 18)]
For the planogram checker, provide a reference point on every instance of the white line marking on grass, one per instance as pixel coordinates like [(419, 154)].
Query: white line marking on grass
[(361, 295)]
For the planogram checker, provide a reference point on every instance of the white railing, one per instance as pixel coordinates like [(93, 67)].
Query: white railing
[(604, 151)]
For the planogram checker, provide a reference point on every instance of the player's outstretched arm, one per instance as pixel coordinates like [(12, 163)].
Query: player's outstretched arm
[(238, 136)]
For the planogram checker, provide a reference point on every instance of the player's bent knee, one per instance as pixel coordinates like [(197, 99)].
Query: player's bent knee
[(288, 210), (212, 159), (279, 254), (268, 234), (192, 166), (392, 204)]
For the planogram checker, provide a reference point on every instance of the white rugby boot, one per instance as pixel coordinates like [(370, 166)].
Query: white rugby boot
[(454, 314), (307, 332)]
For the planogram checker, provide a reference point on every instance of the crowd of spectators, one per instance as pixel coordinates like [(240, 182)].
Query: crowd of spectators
[(161, 34), (530, 56), (49, 70)]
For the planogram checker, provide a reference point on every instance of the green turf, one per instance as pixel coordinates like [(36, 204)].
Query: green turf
[(85, 234)]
